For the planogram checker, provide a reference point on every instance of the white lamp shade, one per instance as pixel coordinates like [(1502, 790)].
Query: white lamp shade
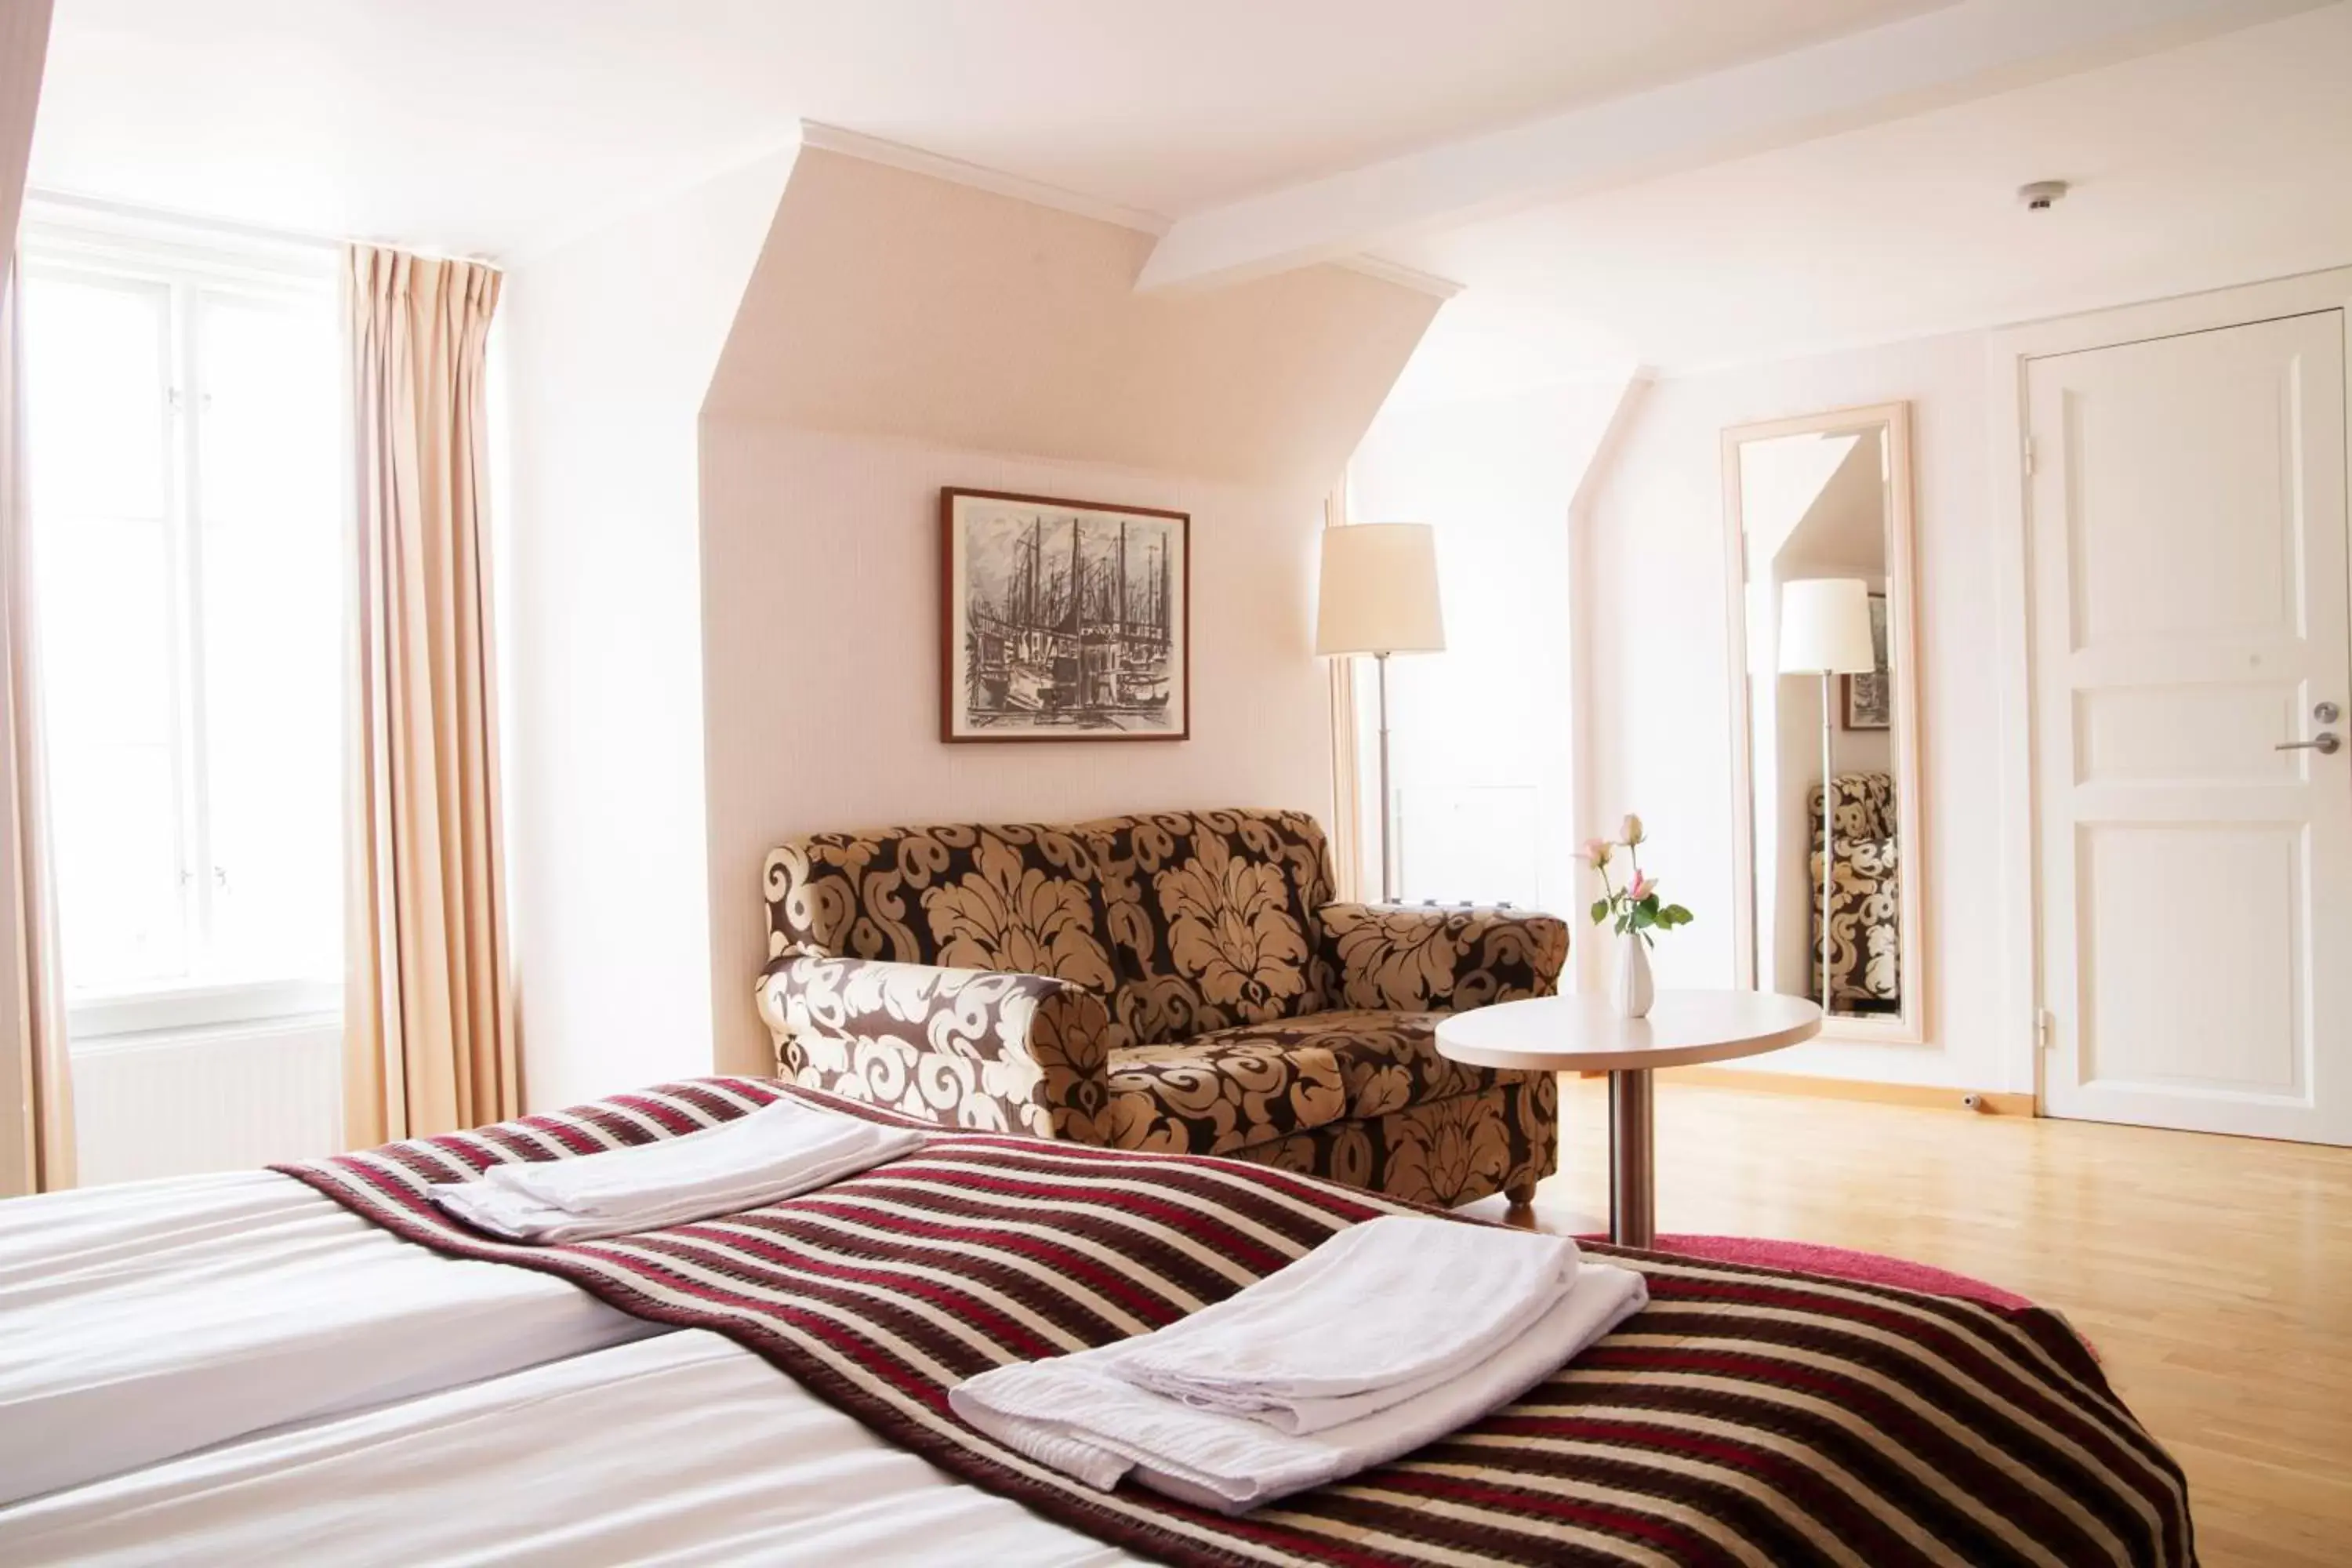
[(1379, 590), (1825, 626)]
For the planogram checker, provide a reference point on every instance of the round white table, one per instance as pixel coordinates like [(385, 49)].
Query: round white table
[(1583, 1033)]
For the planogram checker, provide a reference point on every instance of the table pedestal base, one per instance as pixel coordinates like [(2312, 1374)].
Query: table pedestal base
[(1633, 1195)]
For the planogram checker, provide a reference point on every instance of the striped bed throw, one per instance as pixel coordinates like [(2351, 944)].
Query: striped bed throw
[(1747, 1417)]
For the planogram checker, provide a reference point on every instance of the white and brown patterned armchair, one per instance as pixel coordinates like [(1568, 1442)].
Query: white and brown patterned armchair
[(1182, 980), (1865, 949)]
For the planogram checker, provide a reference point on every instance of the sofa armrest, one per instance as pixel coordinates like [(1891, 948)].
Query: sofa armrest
[(1421, 960), (963, 1047)]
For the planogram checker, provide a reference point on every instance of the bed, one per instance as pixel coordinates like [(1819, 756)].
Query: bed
[(771, 1387)]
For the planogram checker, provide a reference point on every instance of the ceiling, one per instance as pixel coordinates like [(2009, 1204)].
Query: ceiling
[(2219, 162), (498, 126), (492, 125)]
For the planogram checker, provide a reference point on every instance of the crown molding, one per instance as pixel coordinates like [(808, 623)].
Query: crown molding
[(1401, 275), (916, 160)]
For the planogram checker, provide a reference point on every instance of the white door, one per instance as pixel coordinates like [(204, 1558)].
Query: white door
[(2190, 619)]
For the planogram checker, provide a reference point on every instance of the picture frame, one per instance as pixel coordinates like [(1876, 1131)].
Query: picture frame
[(1063, 620), (1869, 699)]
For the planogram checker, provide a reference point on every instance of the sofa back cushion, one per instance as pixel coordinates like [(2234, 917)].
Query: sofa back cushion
[(1013, 896), (1865, 807), (1210, 918)]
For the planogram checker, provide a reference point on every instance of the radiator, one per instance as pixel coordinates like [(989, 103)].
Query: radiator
[(173, 1103)]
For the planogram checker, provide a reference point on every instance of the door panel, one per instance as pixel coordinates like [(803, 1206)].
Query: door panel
[(2223, 890), (2192, 610)]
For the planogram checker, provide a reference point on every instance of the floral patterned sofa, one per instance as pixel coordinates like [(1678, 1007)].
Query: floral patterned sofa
[(1180, 981), (1865, 947)]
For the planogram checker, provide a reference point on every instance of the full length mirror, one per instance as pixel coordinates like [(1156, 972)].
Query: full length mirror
[(1819, 520)]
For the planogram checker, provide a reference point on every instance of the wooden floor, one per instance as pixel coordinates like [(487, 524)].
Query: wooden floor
[(2214, 1275)]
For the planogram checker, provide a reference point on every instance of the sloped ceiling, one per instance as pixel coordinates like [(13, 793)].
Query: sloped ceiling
[(2199, 168), (898, 304)]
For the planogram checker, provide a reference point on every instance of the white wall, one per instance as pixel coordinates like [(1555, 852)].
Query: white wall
[(1482, 734), (822, 676), (1659, 702), (610, 342)]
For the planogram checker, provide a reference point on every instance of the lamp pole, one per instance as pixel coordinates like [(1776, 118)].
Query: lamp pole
[(1829, 842), (1388, 806)]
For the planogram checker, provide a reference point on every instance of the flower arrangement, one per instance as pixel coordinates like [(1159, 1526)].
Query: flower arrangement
[(1633, 910)]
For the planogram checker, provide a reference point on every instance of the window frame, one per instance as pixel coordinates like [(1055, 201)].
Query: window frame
[(90, 245)]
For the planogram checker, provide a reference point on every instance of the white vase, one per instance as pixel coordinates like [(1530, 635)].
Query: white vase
[(1632, 994)]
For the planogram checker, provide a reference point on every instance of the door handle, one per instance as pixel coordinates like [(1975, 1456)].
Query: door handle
[(2325, 744)]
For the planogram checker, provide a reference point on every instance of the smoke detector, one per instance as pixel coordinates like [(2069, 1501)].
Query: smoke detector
[(2041, 194)]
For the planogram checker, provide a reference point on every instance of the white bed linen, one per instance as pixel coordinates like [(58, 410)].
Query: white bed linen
[(1079, 1413), (142, 1321), (778, 1151), (685, 1448)]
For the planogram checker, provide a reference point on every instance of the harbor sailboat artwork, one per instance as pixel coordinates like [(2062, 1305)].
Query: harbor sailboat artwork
[(1063, 620)]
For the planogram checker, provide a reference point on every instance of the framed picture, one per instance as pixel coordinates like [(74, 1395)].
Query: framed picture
[(1869, 699), (1063, 620)]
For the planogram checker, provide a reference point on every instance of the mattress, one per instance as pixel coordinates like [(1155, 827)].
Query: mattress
[(142, 1321), (681, 1449)]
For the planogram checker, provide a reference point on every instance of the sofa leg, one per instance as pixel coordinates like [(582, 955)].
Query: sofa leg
[(1520, 1195)]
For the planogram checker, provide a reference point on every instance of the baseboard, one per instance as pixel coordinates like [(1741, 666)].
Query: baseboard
[(1987, 1103)]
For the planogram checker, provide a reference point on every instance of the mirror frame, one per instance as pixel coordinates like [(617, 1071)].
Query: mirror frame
[(1910, 1025)]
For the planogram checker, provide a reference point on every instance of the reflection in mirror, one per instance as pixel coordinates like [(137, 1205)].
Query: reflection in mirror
[(1821, 524)]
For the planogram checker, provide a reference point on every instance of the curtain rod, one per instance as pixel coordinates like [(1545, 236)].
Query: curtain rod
[(62, 204), (128, 211)]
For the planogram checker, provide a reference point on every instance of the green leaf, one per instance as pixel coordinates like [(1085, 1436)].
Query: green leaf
[(1599, 911), (1650, 904), (1676, 915)]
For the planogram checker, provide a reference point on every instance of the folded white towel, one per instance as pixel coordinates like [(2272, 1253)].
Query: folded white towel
[(1380, 1312), (1081, 1415), (776, 1153)]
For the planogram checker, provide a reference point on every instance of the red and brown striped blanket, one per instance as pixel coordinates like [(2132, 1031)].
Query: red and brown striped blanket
[(1747, 1416)]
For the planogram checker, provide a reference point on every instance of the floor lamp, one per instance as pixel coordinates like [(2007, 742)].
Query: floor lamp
[(1825, 631), (1379, 596)]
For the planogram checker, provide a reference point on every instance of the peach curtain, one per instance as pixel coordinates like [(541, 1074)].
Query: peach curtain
[(429, 1041), (38, 1073), (1347, 788)]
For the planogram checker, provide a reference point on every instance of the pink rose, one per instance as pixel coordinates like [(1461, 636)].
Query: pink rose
[(1596, 850), (1638, 888)]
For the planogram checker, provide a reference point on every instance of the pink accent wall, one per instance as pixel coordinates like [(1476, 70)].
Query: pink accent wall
[(891, 303), (902, 333)]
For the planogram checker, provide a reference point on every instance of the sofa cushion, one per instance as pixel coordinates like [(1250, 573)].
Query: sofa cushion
[(1387, 1061), (1443, 1151), (1210, 918), (1215, 1096), (1013, 896)]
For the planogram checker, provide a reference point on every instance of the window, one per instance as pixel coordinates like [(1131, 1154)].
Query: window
[(184, 459)]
